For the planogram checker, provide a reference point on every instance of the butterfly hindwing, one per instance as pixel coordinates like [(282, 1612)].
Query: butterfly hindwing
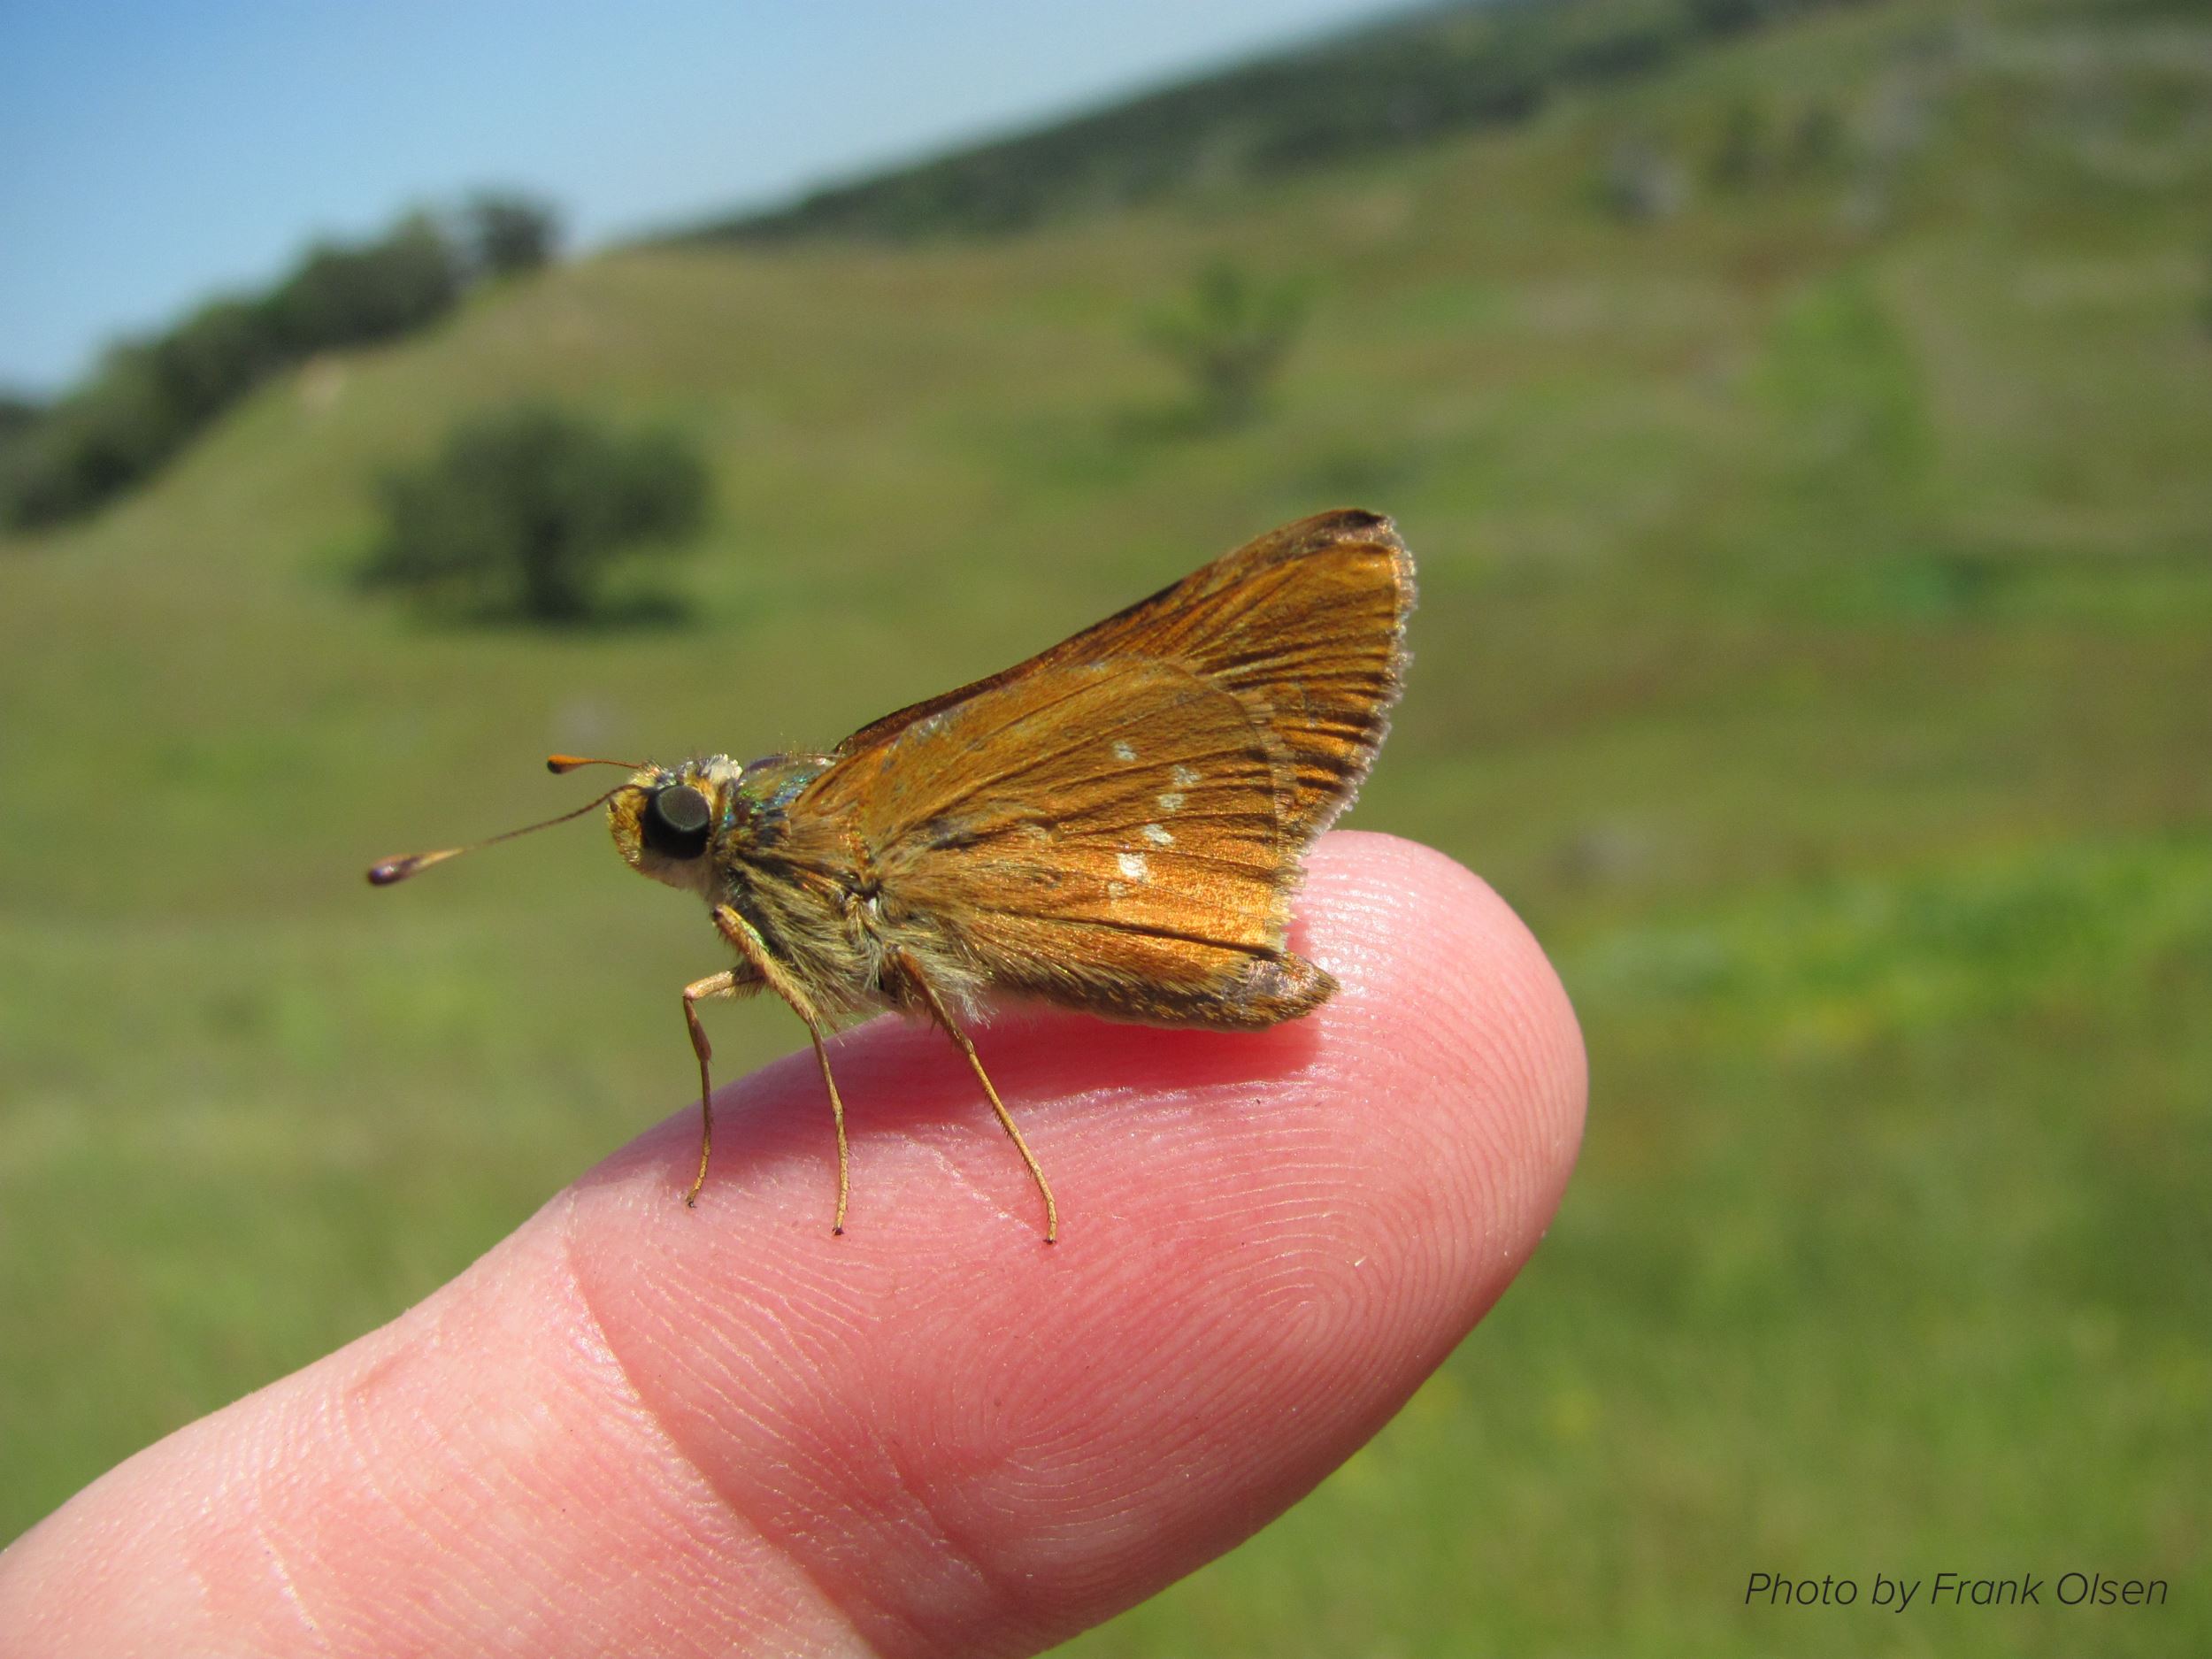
[(1105, 836)]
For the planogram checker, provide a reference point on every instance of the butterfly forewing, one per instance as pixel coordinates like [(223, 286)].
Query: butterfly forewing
[(1117, 822), (1305, 625)]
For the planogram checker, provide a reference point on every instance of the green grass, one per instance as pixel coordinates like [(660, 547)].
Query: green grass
[(1815, 647), (1413, 77)]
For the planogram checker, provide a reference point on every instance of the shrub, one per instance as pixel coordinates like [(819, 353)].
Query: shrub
[(503, 233), (21, 419), (213, 358), (350, 295), (17, 416), (524, 511), (1231, 338), (92, 445)]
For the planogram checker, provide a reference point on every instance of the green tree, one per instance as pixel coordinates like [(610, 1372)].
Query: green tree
[(526, 509), (17, 415), (1232, 337), (212, 359), (505, 233), (350, 295), (93, 443)]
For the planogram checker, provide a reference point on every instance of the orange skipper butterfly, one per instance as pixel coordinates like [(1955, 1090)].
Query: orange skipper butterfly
[(1115, 825)]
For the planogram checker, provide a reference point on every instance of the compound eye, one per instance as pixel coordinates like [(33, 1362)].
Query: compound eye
[(677, 821)]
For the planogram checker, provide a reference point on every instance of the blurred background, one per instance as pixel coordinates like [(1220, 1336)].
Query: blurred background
[(1802, 414)]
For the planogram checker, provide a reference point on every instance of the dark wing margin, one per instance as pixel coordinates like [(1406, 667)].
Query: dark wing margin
[(1305, 625)]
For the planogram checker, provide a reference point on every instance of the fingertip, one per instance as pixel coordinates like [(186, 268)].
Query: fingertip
[(1444, 981)]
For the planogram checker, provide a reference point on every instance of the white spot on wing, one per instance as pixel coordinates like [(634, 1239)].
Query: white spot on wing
[(1123, 750), (1184, 776), (1131, 865), (1172, 801), (1157, 836)]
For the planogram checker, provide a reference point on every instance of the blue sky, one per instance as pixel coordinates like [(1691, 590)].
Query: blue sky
[(151, 154)]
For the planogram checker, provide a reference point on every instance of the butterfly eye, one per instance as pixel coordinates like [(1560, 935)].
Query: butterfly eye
[(676, 822)]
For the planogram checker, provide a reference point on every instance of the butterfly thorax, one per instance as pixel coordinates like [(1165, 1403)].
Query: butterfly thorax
[(730, 834)]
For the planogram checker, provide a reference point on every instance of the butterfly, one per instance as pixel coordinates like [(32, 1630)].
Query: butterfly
[(1115, 825)]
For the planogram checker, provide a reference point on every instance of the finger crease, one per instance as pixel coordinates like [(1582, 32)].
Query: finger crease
[(643, 1410)]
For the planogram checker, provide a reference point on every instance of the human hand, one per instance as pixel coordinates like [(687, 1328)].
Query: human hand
[(635, 1429)]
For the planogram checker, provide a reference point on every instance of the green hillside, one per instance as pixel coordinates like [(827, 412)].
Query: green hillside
[(1805, 449), (1423, 74)]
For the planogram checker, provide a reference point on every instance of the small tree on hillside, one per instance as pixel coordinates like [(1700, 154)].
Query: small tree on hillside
[(358, 293), (1232, 337), (526, 509), (506, 235)]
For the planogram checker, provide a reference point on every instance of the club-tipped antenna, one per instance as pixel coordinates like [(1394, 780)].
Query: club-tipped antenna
[(558, 763), (391, 870)]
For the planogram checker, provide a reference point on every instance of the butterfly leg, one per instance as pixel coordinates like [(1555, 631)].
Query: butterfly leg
[(911, 971), (763, 967), (726, 984)]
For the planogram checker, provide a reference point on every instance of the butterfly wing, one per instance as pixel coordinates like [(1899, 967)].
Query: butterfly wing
[(1116, 824), (1305, 627)]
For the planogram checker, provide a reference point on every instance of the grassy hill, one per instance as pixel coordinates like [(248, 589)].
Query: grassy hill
[(1430, 70), (1815, 647)]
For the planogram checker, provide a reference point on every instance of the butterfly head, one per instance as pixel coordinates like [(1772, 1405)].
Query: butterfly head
[(686, 824), (667, 820)]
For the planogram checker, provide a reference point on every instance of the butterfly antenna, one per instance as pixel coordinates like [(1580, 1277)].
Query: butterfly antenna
[(391, 870), (558, 763)]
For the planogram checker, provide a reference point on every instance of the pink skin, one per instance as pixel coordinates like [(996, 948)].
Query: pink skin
[(636, 1429)]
